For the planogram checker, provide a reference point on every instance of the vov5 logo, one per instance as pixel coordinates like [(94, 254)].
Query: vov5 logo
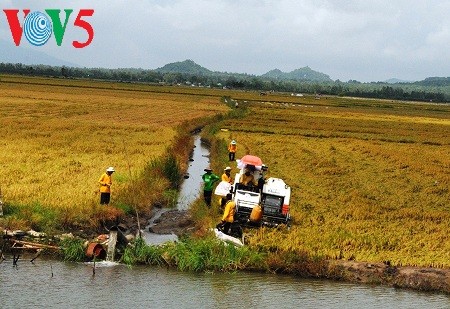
[(38, 27)]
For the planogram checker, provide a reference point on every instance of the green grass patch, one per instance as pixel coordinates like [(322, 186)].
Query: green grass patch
[(189, 254), (73, 249)]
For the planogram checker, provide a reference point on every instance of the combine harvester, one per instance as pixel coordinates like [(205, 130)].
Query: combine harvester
[(264, 205)]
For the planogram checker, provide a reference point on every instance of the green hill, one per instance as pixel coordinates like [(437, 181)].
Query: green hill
[(184, 67), (275, 74), (192, 68), (434, 81), (305, 73)]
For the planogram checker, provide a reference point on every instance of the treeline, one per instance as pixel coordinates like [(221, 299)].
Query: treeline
[(436, 89), (398, 92), (73, 72)]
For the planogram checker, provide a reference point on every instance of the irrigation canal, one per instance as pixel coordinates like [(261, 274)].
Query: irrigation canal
[(55, 284), (189, 191)]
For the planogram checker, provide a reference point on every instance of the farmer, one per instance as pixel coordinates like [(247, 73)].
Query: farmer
[(228, 215), (232, 150), (226, 177), (209, 178), (105, 186), (247, 179), (262, 176)]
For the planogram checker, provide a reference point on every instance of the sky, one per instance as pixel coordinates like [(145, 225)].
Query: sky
[(346, 39)]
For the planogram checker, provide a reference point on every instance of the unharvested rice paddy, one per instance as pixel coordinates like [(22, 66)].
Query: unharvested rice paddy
[(370, 178), (59, 136)]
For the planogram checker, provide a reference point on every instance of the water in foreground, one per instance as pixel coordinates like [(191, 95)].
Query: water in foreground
[(55, 284)]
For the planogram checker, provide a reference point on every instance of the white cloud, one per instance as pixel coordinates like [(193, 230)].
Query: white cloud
[(347, 39)]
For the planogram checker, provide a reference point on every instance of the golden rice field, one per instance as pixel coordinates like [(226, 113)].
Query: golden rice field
[(370, 179), (59, 136)]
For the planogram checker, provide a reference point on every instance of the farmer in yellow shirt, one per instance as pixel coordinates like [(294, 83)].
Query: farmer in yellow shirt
[(228, 215), (247, 179), (105, 186), (226, 176)]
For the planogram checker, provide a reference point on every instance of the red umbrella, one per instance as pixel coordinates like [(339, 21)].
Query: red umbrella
[(253, 160), (249, 160)]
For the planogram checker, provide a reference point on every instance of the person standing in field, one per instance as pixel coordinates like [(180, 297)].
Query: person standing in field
[(232, 150), (209, 179), (226, 176), (105, 186)]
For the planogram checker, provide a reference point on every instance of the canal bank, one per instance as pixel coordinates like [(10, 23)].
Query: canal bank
[(282, 263)]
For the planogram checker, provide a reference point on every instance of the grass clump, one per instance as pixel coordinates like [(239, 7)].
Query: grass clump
[(73, 249), (169, 168), (190, 254), (138, 252)]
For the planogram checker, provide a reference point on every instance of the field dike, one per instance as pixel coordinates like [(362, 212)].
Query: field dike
[(198, 250)]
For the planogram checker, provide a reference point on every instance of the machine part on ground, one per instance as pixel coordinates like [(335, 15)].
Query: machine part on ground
[(228, 239)]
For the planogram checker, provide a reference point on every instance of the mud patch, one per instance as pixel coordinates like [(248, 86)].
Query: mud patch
[(178, 222), (416, 278)]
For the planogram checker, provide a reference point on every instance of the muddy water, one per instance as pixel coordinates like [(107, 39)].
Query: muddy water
[(155, 239), (191, 187), (54, 284), (189, 191)]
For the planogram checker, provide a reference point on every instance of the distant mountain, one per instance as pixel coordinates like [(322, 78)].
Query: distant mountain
[(305, 73), (186, 67), (9, 53), (434, 81), (190, 67), (397, 81), (275, 74)]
